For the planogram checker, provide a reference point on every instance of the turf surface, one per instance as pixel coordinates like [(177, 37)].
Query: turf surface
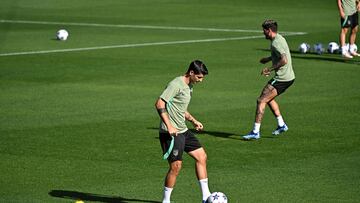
[(81, 124)]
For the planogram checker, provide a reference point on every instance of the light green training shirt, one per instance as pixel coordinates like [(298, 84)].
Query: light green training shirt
[(349, 7), (278, 47), (177, 95)]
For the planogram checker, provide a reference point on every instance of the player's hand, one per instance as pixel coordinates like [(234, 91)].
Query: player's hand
[(198, 126), (173, 131), (342, 14), (266, 72)]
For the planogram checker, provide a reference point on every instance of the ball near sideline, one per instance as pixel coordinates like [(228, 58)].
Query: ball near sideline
[(318, 48), (79, 201), (333, 47), (62, 35), (304, 48), (217, 197)]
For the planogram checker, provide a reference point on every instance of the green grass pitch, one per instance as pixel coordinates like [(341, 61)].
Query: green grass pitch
[(77, 118)]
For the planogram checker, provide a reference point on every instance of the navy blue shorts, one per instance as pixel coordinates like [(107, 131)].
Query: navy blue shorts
[(184, 142)]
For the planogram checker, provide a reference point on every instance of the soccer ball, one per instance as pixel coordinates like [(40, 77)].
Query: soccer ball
[(353, 48), (333, 47), (304, 48), (318, 48), (62, 35), (217, 197)]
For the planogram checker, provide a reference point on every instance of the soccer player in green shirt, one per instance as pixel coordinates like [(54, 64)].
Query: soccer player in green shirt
[(349, 19), (284, 77), (175, 138)]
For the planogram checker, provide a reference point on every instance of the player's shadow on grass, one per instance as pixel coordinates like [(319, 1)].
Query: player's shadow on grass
[(219, 134), (94, 197), (212, 133), (322, 57), (229, 135)]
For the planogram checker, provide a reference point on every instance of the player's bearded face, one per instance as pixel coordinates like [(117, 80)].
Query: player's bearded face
[(196, 78), (267, 33)]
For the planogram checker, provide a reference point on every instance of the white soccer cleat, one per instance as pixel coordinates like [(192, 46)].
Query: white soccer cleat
[(354, 54), (252, 135), (347, 55), (280, 129)]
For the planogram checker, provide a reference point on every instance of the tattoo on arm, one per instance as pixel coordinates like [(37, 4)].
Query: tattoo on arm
[(161, 111), (281, 63)]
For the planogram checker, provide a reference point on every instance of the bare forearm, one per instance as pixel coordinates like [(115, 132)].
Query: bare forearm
[(281, 63), (189, 117), (160, 106), (198, 125)]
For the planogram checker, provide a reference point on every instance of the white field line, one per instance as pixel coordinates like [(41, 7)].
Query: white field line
[(137, 45), (127, 26)]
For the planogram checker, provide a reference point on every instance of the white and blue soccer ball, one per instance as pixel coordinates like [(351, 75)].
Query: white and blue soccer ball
[(304, 48), (353, 48), (62, 35), (333, 47), (318, 48), (217, 197)]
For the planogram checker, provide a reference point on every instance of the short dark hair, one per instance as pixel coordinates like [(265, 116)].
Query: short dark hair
[(270, 24), (198, 67)]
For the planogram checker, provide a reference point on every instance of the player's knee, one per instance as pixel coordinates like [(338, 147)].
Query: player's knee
[(354, 30), (202, 158), (176, 167)]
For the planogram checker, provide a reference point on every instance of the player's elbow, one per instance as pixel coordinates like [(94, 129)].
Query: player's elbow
[(284, 60), (159, 104)]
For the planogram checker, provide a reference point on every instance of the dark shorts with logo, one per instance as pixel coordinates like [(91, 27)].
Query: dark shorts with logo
[(350, 21), (280, 86), (183, 142)]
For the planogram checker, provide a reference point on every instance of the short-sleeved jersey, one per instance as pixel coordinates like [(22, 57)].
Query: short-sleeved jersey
[(177, 96), (349, 7), (278, 47)]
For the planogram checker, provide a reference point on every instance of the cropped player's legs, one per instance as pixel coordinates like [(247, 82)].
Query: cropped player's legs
[(274, 107), (267, 94), (200, 162), (174, 170), (343, 33), (201, 172), (344, 49), (352, 41), (282, 127), (170, 179), (353, 35)]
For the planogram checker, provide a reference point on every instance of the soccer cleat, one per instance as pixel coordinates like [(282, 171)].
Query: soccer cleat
[(347, 55), (354, 54), (280, 129), (252, 135)]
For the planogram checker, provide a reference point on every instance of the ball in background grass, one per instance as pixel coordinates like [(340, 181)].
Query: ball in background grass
[(318, 48), (62, 35), (304, 48), (333, 48)]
